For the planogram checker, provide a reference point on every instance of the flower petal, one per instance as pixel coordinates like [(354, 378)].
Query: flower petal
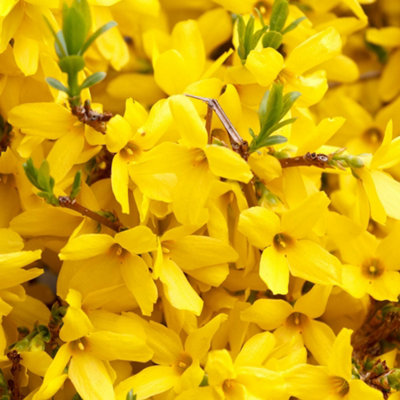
[(259, 225), (227, 164), (137, 240)]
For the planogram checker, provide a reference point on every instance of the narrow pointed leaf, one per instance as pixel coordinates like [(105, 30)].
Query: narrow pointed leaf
[(293, 25), (56, 84), (272, 39), (76, 185), (96, 34), (92, 80), (279, 14)]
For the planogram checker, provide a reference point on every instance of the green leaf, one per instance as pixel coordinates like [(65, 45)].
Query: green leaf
[(380, 52), (76, 185), (72, 64), (282, 124), (96, 34), (260, 17), (43, 177), (60, 45), (256, 37), (279, 14), (74, 30), (271, 108), (241, 29), (30, 171), (56, 84), (288, 101), (293, 25), (61, 50), (268, 141), (248, 35), (92, 80), (83, 7), (272, 39), (130, 395)]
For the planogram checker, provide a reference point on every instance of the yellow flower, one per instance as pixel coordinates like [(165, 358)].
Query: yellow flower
[(333, 380), (178, 365), (118, 256), (300, 319), (92, 340), (286, 247), (195, 163)]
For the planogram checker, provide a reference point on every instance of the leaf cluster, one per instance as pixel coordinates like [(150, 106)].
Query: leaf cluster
[(273, 107), (71, 43), (33, 341), (41, 179), (271, 35)]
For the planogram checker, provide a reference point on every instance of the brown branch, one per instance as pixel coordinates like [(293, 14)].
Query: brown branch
[(366, 76), (309, 159), (67, 202), (14, 383), (239, 145), (209, 122), (90, 117)]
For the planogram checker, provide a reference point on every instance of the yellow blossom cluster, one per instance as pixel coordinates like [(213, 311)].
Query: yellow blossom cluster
[(199, 199)]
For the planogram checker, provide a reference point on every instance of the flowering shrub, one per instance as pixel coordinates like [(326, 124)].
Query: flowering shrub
[(199, 199)]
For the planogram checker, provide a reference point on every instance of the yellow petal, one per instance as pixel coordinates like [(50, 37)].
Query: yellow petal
[(76, 322), (318, 338), (274, 270), (378, 212), (64, 154), (227, 164), (36, 361), (259, 225), (137, 240), (219, 367), (18, 259), (388, 191), (148, 382), (138, 279), (256, 349), (116, 346), (120, 182), (6, 6), (313, 303), (165, 343), (86, 246), (360, 390), (10, 241), (310, 261), (340, 361), (315, 50), (192, 252), (298, 221), (119, 131), (386, 37), (178, 290), (90, 377), (26, 53), (186, 38), (267, 313), (48, 120), (198, 341), (40, 222), (265, 65), (171, 72), (389, 84), (189, 123)]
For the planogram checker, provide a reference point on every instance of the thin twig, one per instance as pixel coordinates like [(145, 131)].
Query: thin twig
[(309, 159), (239, 145), (67, 202), (91, 117), (366, 76), (14, 383), (209, 122)]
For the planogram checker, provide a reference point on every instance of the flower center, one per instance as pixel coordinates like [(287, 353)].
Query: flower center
[(282, 242), (296, 320), (199, 157), (130, 151), (118, 251), (183, 362), (373, 136), (340, 385), (373, 268)]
